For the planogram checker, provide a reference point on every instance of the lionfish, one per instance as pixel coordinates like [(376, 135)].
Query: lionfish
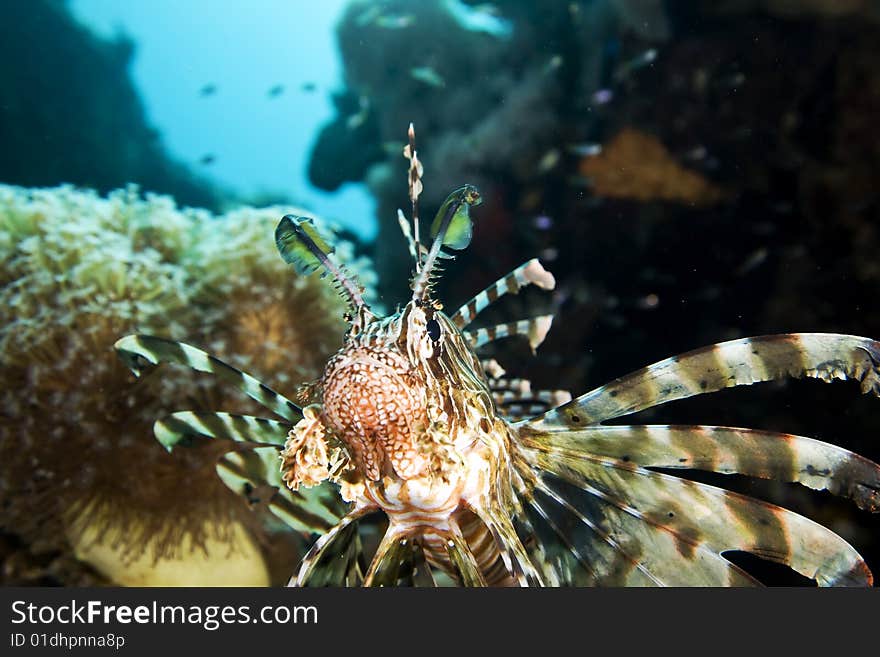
[(411, 461)]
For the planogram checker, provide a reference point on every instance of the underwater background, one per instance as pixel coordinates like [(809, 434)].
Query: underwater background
[(691, 172)]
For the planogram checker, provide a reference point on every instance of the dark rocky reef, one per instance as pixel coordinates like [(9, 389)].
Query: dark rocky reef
[(70, 114)]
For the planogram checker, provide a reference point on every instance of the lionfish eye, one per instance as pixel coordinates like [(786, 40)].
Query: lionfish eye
[(433, 327)]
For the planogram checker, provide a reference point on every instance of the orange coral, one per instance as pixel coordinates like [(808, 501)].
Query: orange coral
[(636, 165)]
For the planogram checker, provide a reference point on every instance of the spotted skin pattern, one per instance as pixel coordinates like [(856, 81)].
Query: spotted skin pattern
[(373, 399)]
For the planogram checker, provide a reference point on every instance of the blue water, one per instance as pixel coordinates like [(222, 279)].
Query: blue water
[(259, 142)]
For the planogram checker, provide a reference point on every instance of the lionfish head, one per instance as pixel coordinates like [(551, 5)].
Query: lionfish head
[(395, 377)]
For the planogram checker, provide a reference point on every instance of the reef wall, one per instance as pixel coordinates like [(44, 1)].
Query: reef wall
[(69, 112)]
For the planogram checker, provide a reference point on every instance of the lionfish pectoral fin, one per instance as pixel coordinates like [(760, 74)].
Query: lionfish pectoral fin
[(395, 562), (825, 356), (334, 559), (132, 348), (463, 562), (678, 530), (529, 273), (254, 475), (175, 429), (510, 547), (574, 548), (727, 450)]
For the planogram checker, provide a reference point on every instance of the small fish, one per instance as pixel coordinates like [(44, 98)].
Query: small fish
[(369, 15), (427, 75), (755, 259), (588, 149), (394, 21), (549, 160), (542, 222), (276, 91), (308, 87), (357, 120), (207, 158), (602, 96), (697, 153), (208, 90), (553, 64), (640, 61), (483, 18), (734, 80), (392, 147), (648, 302), (550, 254)]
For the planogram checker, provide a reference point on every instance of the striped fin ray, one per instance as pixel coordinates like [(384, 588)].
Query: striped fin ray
[(825, 356), (514, 554), (177, 428), (535, 329), (620, 550), (680, 529), (542, 546), (763, 454), (337, 557), (591, 539), (394, 563), (526, 403), (463, 561), (134, 349), (255, 475), (576, 551), (529, 273)]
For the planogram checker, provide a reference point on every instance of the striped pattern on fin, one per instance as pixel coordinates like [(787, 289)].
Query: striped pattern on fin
[(678, 529), (463, 561), (516, 400), (824, 356), (255, 475), (513, 552), (604, 543), (535, 329), (542, 547), (177, 428), (762, 454), (134, 349), (394, 563), (571, 558), (334, 559), (529, 273)]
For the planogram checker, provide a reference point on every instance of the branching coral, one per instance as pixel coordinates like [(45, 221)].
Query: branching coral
[(79, 467)]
